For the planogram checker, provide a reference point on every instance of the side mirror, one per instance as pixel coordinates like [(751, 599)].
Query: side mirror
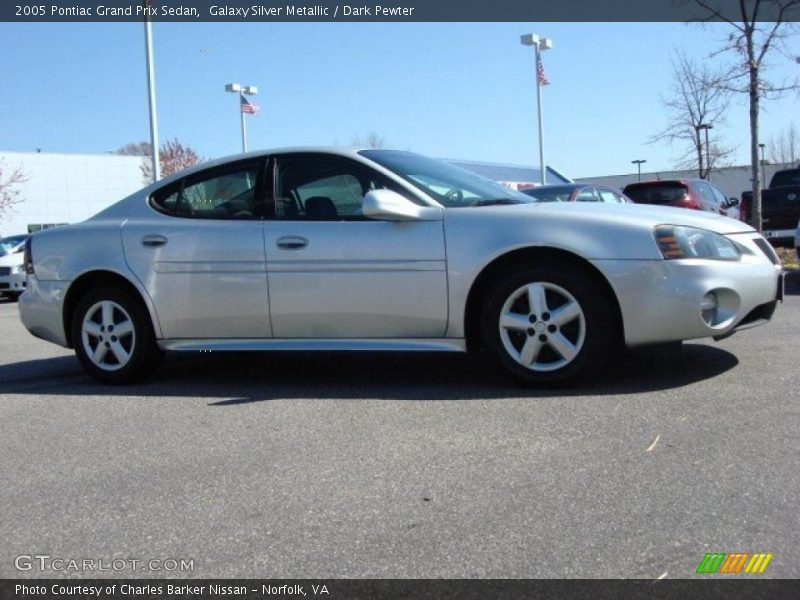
[(386, 205), (733, 201)]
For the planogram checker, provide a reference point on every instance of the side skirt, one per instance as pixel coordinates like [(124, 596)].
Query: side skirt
[(344, 344)]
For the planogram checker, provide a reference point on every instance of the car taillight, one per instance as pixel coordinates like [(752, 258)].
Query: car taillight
[(689, 202), (743, 212), (27, 257)]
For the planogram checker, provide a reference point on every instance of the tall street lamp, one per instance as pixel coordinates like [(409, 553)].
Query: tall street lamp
[(638, 162), (708, 150), (245, 107), (151, 96), (539, 44)]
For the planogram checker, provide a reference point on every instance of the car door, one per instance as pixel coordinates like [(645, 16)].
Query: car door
[(334, 273), (200, 254)]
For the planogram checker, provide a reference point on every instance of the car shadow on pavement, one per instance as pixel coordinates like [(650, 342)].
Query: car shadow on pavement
[(230, 379)]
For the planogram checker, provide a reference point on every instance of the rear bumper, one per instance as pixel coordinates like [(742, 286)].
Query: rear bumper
[(40, 309), (660, 299)]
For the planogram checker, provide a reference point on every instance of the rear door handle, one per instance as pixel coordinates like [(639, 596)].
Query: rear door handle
[(291, 242), (153, 241)]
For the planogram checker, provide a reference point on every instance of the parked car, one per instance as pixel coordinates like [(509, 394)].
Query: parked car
[(797, 240), (697, 194), (12, 271), (576, 192), (315, 249), (780, 206)]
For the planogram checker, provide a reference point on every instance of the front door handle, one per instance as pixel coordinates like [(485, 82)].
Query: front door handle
[(153, 241), (291, 242)]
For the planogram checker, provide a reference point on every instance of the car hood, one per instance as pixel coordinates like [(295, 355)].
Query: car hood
[(11, 260), (635, 215)]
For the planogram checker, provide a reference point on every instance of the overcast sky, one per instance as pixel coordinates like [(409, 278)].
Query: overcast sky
[(449, 90)]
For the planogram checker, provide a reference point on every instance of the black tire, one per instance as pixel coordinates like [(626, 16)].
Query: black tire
[(597, 321), (144, 353)]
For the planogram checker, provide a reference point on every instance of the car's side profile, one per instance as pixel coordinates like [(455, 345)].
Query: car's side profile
[(324, 249)]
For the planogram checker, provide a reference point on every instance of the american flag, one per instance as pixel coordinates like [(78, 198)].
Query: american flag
[(540, 75), (250, 108)]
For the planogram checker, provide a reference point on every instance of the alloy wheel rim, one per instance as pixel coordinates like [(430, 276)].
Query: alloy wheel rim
[(108, 335), (542, 326)]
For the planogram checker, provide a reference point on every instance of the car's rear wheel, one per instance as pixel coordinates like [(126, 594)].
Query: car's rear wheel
[(113, 337), (548, 324)]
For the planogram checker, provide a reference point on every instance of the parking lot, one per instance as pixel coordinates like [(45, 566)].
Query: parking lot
[(334, 465)]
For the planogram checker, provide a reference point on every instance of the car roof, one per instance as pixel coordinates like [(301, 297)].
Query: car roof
[(341, 151)]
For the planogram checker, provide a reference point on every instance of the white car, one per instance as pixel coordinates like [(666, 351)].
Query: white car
[(12, 269), (320, 249)]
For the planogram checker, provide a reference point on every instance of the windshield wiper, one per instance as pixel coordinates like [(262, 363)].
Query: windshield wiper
[(495, 202)]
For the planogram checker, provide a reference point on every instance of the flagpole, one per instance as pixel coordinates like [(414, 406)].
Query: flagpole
[(151, 93), (244, 126), (542, 166)]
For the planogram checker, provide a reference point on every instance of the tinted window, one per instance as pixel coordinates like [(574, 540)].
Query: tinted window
[(656, 193), (550, 194), (789, 177), (10, 244), (222, 193), (324, 187)]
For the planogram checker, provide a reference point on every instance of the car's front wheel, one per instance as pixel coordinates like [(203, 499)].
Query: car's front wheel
[(548, 324), (113, 338)]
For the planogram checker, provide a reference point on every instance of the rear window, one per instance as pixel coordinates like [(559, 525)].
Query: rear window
[(656, 193), (790, 177)]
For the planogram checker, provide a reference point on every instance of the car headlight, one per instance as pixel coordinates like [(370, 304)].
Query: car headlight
[(18, 269), (677, 241)]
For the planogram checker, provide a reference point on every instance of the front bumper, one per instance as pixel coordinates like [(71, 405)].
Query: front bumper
[(660, 299), (12, 284)]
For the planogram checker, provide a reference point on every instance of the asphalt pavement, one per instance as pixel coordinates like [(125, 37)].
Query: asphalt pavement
[(393, 465)]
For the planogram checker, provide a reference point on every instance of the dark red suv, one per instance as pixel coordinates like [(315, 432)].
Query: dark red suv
[(683, 193)]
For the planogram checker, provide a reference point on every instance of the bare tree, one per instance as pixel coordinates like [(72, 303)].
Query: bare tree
[(759, 28), (372, 140), (785, 148), (696, 102), (9, 188), (134, 149)]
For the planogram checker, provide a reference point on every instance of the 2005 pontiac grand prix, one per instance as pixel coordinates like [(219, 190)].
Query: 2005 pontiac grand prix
[(327, 249)]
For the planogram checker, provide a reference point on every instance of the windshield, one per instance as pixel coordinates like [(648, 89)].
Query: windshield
[(9, 244), (449, 185)]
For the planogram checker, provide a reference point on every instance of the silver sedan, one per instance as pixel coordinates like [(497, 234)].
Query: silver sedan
[(320, 249)]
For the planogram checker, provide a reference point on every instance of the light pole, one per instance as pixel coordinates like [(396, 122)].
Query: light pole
[(151, 95), (638, 162), (708, 150), (539, 44), (244, 106)]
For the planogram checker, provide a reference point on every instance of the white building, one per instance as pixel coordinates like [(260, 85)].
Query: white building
[(731, 181), (66, 188)]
